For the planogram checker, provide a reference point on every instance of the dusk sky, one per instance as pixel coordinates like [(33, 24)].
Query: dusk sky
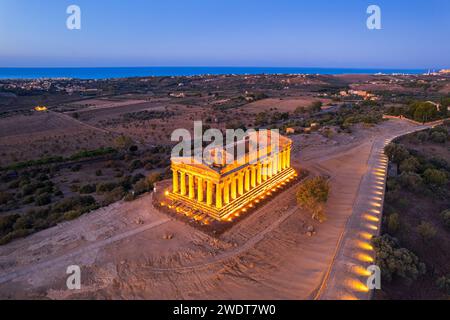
[(296, 33)]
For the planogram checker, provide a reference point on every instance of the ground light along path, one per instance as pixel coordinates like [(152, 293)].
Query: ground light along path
[(347, 275)]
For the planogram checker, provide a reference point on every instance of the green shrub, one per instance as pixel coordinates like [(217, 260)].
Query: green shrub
[(443, 283), (74, 203), (76, 168), (72, 214), (435, 177), (426, 231), (438, 137), (142, 186), (43, 199), (396, 261), (410, 164), (410, 181), (28, 200), (129, 197), (87, 189), (422, 136), (24, 222), (135, 164), (14, 235), (396, 152), (113, 196), (7, 223), (393, 222), (5, 197), (445, 216), (105, 187)]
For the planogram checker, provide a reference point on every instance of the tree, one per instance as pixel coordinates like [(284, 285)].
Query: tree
[(123, 142), (438, 137), (443, 283), (426, 231), (393, 222), (422, 136), (313, 194), (445, 216), (435, 177), (315, 106), (396, 152), (423, 111), (410, 164), (396, 261), (411, 181)]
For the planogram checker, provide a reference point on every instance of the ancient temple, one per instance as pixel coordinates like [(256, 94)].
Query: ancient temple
[(222, 190)]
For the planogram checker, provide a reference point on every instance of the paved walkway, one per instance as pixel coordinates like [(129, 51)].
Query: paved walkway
[(347, 275)]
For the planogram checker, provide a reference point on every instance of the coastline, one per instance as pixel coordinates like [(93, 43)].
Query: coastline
[(103, 73)]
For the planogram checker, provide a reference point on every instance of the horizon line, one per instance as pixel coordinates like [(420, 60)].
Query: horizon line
[(221, 66)]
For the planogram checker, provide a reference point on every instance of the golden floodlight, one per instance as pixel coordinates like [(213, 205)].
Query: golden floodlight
[(364, 257), (375, 204), (371, 218), (360, 271), (365, 235), (364, 245), (40, 108), (357, 285), (371, 227)]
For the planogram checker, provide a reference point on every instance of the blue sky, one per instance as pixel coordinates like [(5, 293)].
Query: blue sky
[(292, 33)]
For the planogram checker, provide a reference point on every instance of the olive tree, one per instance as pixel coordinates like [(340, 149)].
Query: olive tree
[(312, 195)]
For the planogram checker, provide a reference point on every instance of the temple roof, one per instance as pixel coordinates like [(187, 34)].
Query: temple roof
[(215, 164)]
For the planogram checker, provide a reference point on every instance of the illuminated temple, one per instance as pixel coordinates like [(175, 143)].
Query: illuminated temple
[(222, 191)]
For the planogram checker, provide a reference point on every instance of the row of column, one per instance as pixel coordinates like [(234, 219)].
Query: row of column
[(223, 192)]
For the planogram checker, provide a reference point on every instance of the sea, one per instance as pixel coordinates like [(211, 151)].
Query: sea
[(128, 72)]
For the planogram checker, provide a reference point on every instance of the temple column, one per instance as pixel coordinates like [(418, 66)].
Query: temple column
[(191, 187), (264, 171), (175, 184), (280, 162), (288, 158), (233, 188), (284, 159), (240, 183), (183, 183), (200, 189), (226, 192), (259, 173), (275, 164), (253, 174), (209, 192), (218, 195), (247, 180), (270, 168)]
